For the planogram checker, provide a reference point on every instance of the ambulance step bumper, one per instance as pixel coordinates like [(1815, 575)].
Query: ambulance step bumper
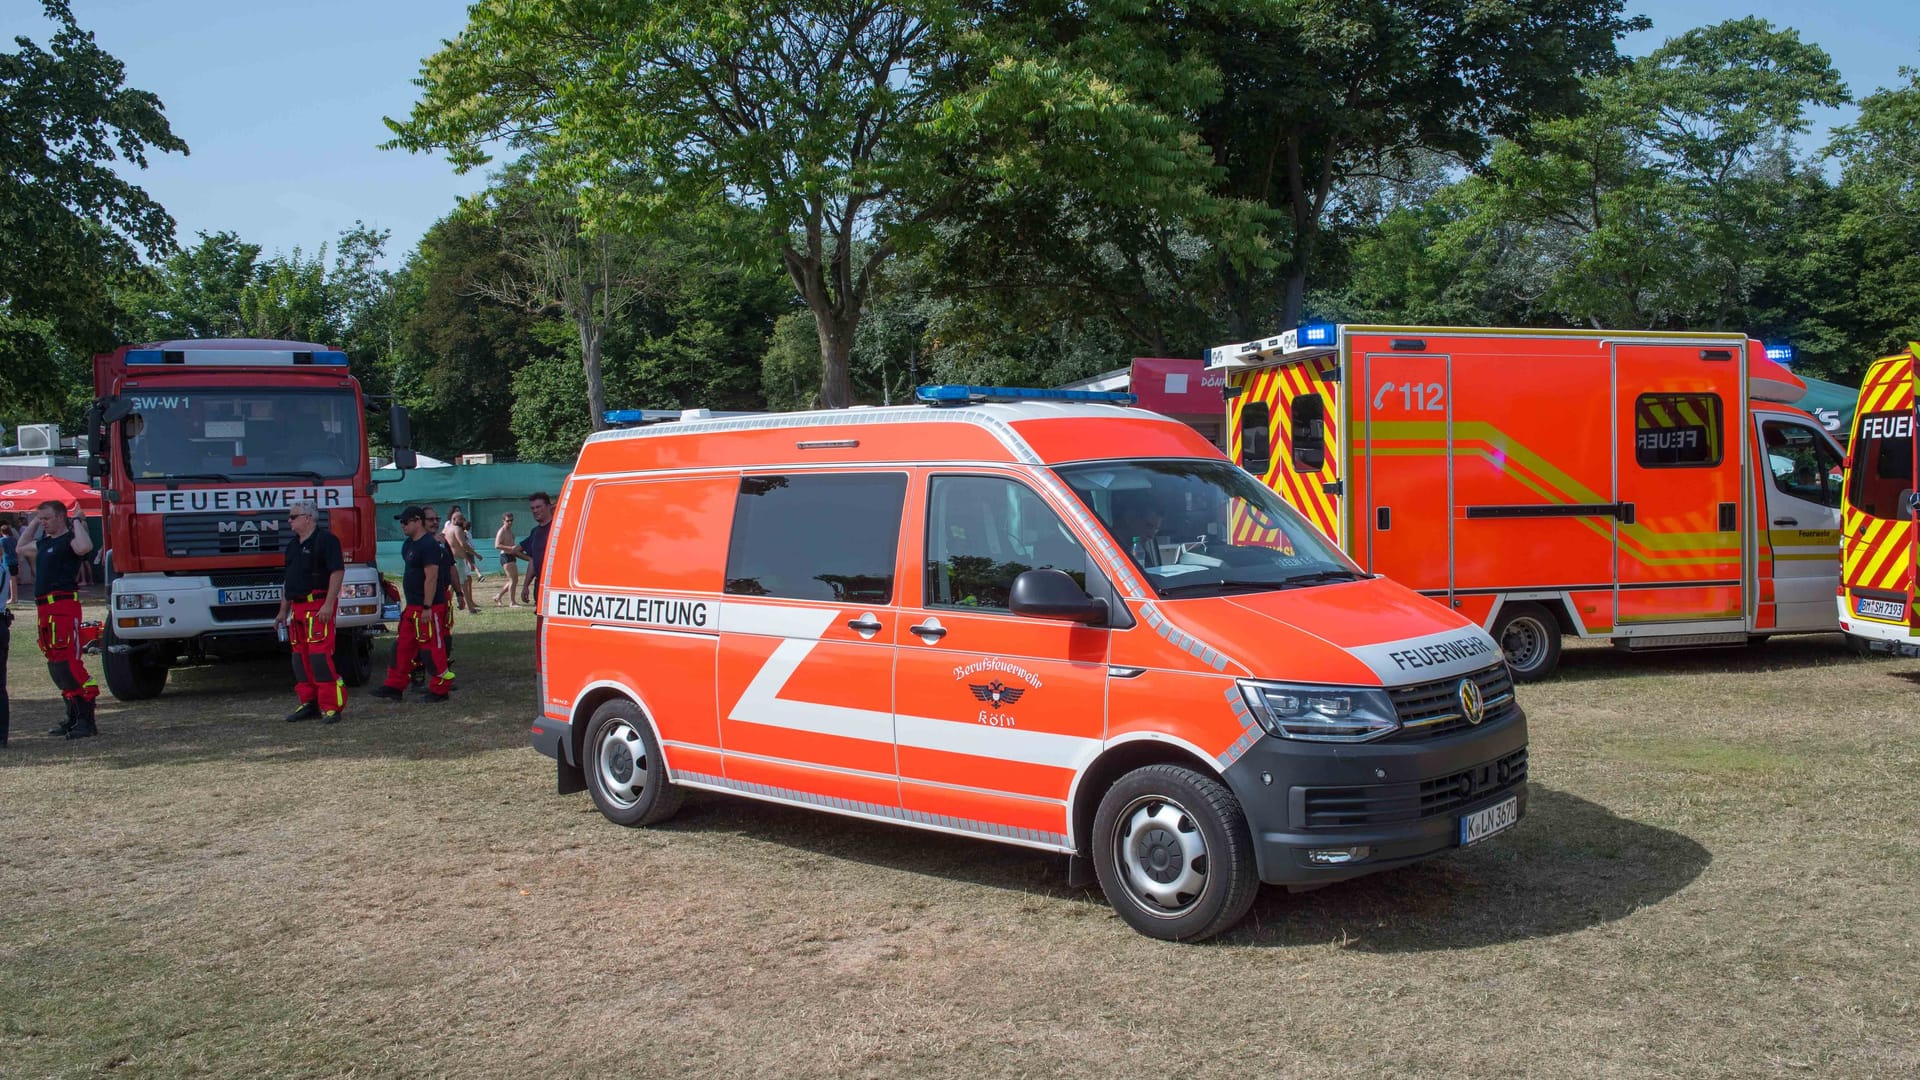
[(1679, 641)]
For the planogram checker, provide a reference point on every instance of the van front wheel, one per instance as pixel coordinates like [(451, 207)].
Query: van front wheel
[(1173, 854), (626, 776)]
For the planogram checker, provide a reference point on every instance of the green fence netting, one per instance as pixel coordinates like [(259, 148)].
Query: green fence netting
[(483, 492)]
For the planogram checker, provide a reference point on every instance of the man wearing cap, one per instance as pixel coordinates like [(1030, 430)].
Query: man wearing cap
[(422, 585), (315, 568), (53, 550)]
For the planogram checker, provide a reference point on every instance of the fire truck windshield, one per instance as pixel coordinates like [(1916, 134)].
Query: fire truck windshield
[(1882, 464), (227, 434)]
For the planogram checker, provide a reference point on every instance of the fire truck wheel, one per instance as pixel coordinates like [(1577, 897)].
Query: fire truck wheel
[(1173, 854), (1530, 637), (131, 676), (626, 775)]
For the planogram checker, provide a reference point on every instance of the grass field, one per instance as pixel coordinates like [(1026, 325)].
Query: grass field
[(1719, 876)]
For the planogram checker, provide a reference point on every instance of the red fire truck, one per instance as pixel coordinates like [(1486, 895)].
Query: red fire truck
[(198, 448)]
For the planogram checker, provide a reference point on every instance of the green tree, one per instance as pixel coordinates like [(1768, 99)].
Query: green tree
[(194, 292), (70, 226), (1873, 244)]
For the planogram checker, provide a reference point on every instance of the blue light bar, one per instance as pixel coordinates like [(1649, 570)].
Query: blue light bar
[(1322, 333), (623, 416), (1781, 353), (235, 358), (956, 394)]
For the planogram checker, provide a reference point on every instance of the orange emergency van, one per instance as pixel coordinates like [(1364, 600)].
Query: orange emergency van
[(1022, 621), (1648, 488), (1877, 521)]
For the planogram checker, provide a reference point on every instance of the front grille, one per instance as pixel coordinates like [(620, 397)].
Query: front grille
[(245, 612), (1396, 804), (263, 533), (1429, 710)]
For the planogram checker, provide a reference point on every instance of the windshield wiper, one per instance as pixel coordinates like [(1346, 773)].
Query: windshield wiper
[(1321, 575), (307, 473), (1230, 583), (176, 477)]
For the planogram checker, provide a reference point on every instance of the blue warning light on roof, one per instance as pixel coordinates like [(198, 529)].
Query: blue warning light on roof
[(956, 394), (1780, 353), (1319, 333)]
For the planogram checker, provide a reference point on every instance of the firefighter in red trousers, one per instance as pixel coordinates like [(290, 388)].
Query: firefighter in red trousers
[(308, 601), (53, 550), (424, 587)]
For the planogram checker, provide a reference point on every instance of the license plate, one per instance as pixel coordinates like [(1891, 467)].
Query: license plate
[(250, 596), (1869, 608), (1500, 816)]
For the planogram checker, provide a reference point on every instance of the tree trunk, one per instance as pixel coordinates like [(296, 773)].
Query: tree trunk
[(836, 356), (590, 336), (1296, 304)]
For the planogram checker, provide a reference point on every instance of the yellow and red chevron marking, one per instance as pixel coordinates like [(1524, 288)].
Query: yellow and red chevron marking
[(1888, 386), (1875, 553), (1278, 387)]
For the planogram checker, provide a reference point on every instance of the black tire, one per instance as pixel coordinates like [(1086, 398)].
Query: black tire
[(353, 657), (1163, 826), (131, 676), (626, 775), (1529, 635)]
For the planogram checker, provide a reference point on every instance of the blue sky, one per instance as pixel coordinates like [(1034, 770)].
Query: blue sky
[(281, 102)]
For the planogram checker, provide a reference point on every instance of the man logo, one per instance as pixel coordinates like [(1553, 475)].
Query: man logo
[(997, 692), (1473, 704)]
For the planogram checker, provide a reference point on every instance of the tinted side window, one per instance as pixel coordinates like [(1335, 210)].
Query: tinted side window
[(984, 531), (1676, 431), (816, 537), (1802, 463)]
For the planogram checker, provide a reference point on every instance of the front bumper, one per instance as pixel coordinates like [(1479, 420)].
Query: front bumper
[(1401, 800), (190, 607)]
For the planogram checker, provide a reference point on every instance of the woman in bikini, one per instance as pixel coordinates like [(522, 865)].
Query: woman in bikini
[(504, 541)]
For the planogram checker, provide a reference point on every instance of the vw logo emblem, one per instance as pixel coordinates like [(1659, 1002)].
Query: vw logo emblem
[(1473, 705)]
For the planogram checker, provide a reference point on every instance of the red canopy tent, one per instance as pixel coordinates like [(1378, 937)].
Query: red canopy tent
[(23, 496)]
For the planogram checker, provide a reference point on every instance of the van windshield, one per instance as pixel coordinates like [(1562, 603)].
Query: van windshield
[(1196, 527), (1882, 464)]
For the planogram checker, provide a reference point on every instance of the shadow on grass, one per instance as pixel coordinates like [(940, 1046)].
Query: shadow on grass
[(234, 711), (1571, 864), (1594, 662)]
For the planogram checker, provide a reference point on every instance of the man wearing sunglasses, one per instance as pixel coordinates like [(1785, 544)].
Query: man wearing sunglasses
[(308, 600)]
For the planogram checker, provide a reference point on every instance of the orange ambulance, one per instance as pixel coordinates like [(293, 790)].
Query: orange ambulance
[(1877, 523), (1020, 620), (1652, 489)]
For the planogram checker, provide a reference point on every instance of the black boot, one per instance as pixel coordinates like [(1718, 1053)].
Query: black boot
[(307, 711), (83, 720), (66, 725)]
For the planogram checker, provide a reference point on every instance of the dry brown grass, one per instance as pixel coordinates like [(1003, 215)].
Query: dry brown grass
[(1720, 876)]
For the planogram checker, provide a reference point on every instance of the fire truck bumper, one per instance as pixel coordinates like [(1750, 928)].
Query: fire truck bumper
[(167, 607), (1323, 812)]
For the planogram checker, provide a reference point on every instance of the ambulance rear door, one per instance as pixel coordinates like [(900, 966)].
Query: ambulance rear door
[(1405, 464), (1679, 558), (1799, 472)]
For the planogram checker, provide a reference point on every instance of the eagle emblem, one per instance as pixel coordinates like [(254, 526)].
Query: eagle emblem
[(997, 693)]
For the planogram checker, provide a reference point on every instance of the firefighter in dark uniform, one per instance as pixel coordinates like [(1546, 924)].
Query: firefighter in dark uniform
[(55, 550), (450, 574), (423, 584), (308, 603)]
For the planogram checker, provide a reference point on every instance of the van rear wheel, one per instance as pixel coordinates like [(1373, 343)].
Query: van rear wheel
[(1173, 853), (1530, 637), (626, 775)]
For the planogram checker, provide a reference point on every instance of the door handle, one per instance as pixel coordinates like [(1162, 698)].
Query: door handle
[(1786, 521), (865, 626), (1383, 518), (930, 629)]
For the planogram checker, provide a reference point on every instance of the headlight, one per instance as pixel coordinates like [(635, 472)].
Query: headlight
[(1320, 713), (356, 592), (135, 601)]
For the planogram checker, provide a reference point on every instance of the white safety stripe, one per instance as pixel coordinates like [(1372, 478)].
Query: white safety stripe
[(878, 811)]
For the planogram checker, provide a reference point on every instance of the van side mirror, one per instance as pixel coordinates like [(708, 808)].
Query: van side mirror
[(96, 443), (404, 457), (1907, 502), (1256, 437), (1051, 594), (1309, 416)]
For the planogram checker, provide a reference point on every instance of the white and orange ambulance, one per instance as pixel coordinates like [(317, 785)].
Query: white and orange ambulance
[(1651, 489), (1024, 621), (1877, 533)]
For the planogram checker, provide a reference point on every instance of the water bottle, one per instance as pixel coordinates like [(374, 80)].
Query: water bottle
[(280, 631), (1139, 552)]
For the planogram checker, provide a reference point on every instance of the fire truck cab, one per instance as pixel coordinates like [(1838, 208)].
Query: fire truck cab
[(1649, 488), (1877, 532), (198, 449)]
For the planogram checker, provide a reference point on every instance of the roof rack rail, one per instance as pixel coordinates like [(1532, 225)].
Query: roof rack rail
[(956, 394)]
